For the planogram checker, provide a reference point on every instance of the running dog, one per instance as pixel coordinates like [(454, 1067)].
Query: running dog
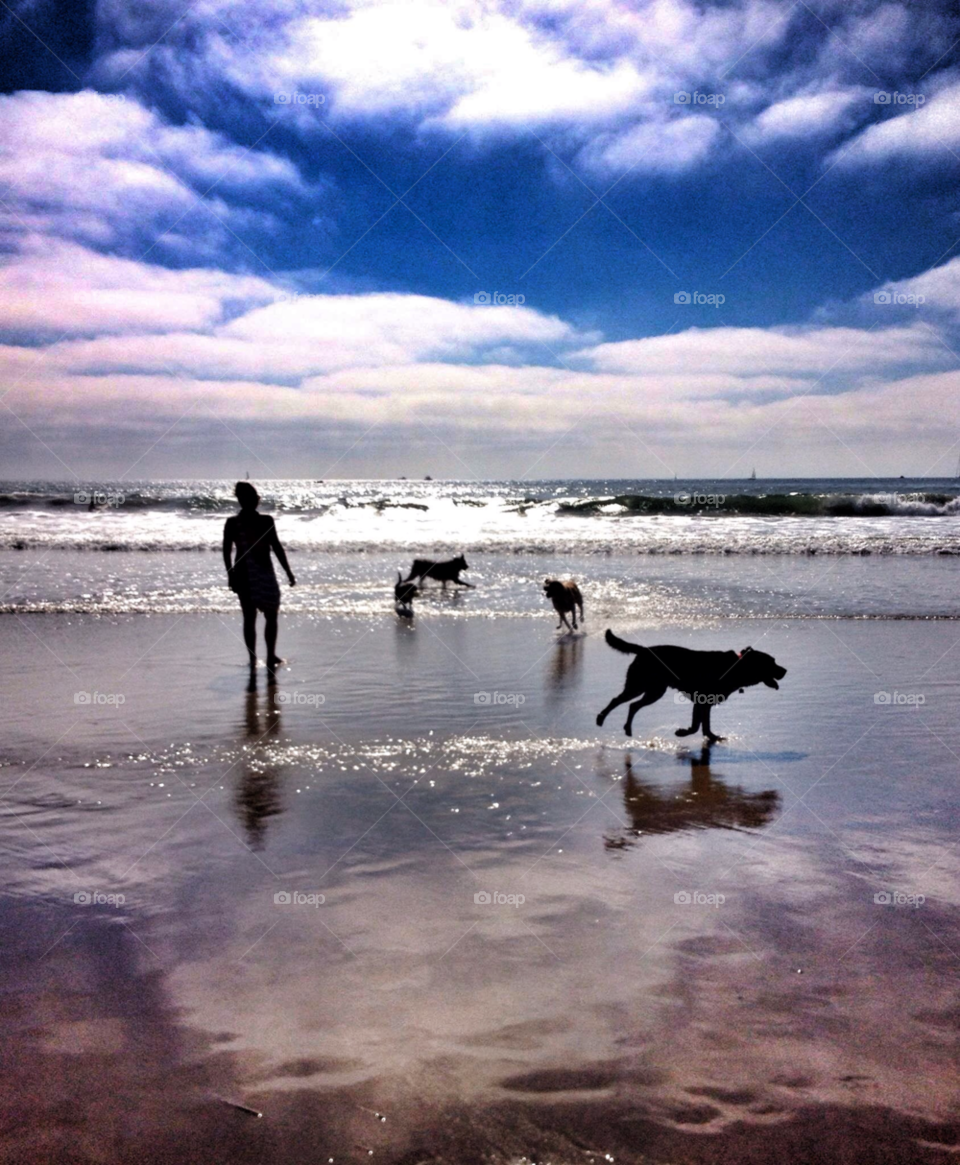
[(566, 598), (705, 677), (443, 572)]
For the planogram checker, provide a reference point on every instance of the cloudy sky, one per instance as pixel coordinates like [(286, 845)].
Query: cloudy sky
[(526, 238)]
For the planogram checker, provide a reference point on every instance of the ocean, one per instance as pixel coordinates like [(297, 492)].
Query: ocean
[(408, 901)]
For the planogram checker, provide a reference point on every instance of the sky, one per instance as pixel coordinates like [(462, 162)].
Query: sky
[(509, 238)]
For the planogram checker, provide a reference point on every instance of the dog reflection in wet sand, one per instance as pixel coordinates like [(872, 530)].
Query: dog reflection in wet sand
[(705, 677), (709, 803)]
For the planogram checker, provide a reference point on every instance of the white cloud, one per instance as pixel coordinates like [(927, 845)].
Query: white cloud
[(811, 114), (665, 146), (928, 130), (101, 169), (936, 290), (59, 287), (811, 352)]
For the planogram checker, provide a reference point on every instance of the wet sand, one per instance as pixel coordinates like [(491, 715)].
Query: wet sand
[(781, 1014)]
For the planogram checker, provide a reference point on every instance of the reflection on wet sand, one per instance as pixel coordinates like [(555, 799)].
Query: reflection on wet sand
[(564, 664), (709, 803), (258, 790)]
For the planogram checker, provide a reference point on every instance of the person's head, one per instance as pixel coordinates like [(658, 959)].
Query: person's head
[(247, 496)]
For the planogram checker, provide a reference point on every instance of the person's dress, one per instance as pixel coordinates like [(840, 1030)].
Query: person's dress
[(254, 579)]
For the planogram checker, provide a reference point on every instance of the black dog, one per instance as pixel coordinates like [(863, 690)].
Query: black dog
[(403, 595), (442, 571), (705, 677), (566, 598)]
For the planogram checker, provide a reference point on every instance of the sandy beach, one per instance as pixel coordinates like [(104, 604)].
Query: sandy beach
[(409, 903)]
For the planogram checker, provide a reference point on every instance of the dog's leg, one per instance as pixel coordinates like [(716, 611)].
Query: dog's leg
[(650, 697), (563, 621), (705, 720), (694, 722), (614, 703)]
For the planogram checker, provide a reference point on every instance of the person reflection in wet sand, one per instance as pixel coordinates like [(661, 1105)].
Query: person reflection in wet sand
[(250, 574), (708, 804), (258, 793)]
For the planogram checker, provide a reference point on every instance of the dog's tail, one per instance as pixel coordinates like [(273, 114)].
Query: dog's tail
[(621, 644)]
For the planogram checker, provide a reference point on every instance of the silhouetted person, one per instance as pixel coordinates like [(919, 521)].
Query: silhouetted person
[(250, 574)]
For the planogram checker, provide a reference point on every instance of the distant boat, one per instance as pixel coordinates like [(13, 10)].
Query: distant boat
[(753, 475)]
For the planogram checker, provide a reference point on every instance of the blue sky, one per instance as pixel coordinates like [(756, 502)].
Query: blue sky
[(251, 236)]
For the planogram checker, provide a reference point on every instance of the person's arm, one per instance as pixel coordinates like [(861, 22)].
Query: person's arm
[(280, 553), (228, 549)]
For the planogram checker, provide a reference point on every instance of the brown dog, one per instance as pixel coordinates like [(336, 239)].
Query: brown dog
[(705, 677), (566, 598)]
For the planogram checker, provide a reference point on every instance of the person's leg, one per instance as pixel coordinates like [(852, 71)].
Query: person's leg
[(250, 630), (270, 632)]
